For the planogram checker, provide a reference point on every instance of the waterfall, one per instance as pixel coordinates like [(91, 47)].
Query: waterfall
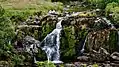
[(108, 22), (51, 44), (82, 45), (83, 48)]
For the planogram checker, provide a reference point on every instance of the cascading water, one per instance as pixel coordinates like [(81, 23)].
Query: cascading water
[(83, 47), (51, 44), (108, 22)]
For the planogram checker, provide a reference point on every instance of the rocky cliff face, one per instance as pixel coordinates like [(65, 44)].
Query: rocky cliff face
[(75, 30)]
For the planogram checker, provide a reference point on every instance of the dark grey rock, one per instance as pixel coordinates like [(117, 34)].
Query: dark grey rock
[(115, 56), (83, 58), (69, 65)]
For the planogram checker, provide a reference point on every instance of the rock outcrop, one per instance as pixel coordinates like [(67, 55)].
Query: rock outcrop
[(75, 30)]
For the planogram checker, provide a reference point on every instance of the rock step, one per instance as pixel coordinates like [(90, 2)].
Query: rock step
[(83, 58), (114, 64), (22, 26)]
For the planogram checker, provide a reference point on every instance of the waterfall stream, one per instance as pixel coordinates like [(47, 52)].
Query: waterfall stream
[(108, 22), (83, 47), (51, 44)]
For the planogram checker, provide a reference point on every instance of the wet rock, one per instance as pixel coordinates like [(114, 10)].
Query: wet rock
[(31, 40), (83, 58), (31, 44), (107, 62), (107, 65), (5, 64), (52, 12), (115, 56), (102, 50), (98, 39), (77, 64), (69, 65), (114, 65), (99, 56)]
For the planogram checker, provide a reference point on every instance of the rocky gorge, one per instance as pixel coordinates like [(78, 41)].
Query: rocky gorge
[(82, 34), (100, 39)]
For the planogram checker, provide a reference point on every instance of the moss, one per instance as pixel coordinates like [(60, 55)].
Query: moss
[(77, 9), (95, 65), (6, 63), (46, 30), (34, 32), (91, 14), (68, 43), (113, 41), (6, 29), (83, 65), (45, 64), (41, 55), (47, 27)]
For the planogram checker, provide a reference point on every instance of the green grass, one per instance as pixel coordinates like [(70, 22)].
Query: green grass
[(28, 4), (25, 8)]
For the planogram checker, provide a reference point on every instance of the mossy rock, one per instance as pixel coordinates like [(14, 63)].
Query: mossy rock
[(68, 43), (6, 64), (75, 30), (48, 24), (106, 39), (41, 55), (113, 41), (30, 31)]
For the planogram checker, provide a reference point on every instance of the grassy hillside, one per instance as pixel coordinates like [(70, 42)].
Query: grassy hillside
[(29, 4), (24, 8)]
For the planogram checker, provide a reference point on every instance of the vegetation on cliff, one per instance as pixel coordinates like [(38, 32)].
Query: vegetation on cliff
[(75, 29)]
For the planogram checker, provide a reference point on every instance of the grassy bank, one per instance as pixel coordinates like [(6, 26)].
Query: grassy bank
[(25, 8)]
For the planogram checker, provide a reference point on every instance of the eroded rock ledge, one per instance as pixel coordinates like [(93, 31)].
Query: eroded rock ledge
[(101, 37)]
